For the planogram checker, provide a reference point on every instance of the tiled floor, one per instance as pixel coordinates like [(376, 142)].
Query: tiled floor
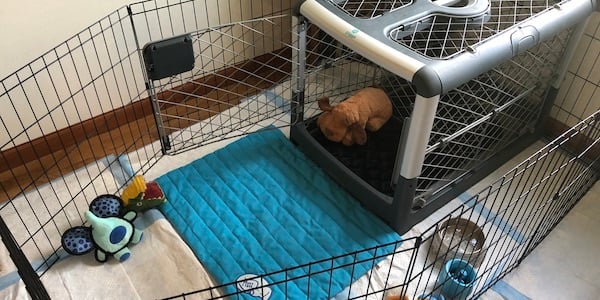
[(566, 265)]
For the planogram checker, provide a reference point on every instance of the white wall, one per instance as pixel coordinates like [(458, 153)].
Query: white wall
[(28, 28), (579, 94)]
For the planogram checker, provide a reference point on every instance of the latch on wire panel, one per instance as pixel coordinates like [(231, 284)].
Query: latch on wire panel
[(169, 57)]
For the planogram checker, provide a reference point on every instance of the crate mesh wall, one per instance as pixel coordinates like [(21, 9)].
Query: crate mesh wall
[(510, 99), (369, 9), (333, 70), (473, 122), (440, 36)]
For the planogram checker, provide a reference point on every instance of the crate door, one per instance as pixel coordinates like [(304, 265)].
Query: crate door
[(221, 82)]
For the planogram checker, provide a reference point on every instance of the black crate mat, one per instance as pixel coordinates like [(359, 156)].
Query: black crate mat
[(374, 161)]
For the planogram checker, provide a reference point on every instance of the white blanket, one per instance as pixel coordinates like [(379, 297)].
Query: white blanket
[(161, 265)]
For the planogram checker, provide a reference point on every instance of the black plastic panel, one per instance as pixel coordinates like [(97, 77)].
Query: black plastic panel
[(169, 57)]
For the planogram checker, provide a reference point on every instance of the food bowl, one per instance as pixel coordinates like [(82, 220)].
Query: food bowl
[(457, 279), (459, 238)]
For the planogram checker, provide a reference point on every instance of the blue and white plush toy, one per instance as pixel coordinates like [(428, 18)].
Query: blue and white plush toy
[(109, 232)]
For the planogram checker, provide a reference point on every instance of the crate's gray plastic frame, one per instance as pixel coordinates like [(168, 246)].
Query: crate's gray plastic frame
[(431, 78)]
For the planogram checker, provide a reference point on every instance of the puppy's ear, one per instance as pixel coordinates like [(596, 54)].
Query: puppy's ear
[(324, 104), (359, 135)]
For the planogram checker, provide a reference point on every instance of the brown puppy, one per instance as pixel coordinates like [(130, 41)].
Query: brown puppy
[(369, 109)]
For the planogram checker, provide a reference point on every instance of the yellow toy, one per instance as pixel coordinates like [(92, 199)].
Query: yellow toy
[(141, 196)]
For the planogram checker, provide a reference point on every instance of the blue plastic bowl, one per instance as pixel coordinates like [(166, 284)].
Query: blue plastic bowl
[(457, 279)]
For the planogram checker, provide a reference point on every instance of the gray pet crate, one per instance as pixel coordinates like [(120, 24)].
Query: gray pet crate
[(470, 81)]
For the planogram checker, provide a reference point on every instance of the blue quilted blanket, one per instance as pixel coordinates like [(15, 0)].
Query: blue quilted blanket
[(258, 206)]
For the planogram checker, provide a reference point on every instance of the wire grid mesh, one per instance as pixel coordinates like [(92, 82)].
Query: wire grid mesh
[(473, 122), (240, 83), (309, 278), (515, 212), (333, 70), (66, 118), (440, 36), (369, 9), (158, 19), (480, 118)]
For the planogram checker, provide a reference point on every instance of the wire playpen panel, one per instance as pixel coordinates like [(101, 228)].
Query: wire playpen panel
[(69, 117), (520, 208), (240, 82), (86, 116)]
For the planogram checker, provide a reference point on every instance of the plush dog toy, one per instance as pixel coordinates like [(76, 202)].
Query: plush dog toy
[(369, 108), (109, 232)]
